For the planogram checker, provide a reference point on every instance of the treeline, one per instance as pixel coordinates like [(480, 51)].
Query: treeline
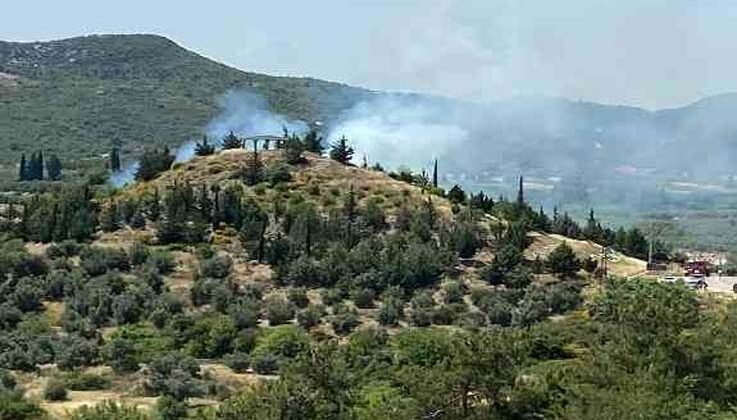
[(631, 241), (32, 169)]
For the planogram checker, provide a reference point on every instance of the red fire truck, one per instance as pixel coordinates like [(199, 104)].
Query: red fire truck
[(697, 269)]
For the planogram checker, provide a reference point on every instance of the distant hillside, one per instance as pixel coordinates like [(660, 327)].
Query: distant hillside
[(75, 97), (78, 97)]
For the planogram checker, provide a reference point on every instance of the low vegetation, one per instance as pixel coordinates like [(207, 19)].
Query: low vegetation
[(335, 292)]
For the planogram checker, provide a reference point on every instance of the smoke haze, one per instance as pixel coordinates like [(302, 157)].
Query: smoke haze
[(242, 112), (400, 130)]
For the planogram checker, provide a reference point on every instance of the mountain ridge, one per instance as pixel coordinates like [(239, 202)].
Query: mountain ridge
[(77, 97)]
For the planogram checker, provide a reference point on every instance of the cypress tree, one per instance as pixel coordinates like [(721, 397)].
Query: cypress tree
[(115, 160), (435, 174), (40, 166), (521, 192), (53, 168), (23, 169)]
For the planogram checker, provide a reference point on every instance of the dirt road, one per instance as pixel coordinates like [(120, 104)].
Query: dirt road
[(721, 284)]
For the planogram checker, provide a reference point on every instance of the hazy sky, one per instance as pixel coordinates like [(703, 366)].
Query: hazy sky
[(656, 53)]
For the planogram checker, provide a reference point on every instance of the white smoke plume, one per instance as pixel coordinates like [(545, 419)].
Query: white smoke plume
[(242, 112), (400, 130), (124, 176)]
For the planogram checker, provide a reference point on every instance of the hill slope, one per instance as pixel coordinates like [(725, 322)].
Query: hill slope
[(75, 97)]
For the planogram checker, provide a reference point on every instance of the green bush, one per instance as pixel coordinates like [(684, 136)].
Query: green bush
[(298, 296), (278, 173), (97, 261), (14, 406), (218, 267), (310, 316), (138, 253), (391, 312), (278, 310), (453, 292), (169, 408), (238, 362), (108, 410), (162, 261), (331, 297), (265, 364), (285, 342), (344, 319), (55, 391), (364, 298), (81, 381)]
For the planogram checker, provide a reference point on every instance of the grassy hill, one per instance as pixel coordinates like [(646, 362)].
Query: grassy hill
[(78, 96)]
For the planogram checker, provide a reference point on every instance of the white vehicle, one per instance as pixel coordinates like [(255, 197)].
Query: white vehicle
[(695, 282)]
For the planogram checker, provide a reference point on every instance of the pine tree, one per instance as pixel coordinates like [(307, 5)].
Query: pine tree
[(313, 143), (23, 169), (53, 168), (115, 160), (293, 150), (204, 148), (341, 151), (231, 141), (152, 163)]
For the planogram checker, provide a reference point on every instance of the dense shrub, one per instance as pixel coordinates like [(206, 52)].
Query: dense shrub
[(390, 312), (238, 362), (55, 391), (174, 375), (298, 297), (364, 298), (162, 261), (218, 267), (108, 410), (278, 310), (344, 319), (81, 381), (453, 292), (265, 364), (98, 260), (310, 316)]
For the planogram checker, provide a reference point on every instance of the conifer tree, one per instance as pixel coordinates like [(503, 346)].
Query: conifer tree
[(204, 148), (521, 192), (23, 169), (341, 151), (115, 159), (231, 141), (313, 143), (435, 174), (53, 168), (154, 162), (293, 150), (40, 166)]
